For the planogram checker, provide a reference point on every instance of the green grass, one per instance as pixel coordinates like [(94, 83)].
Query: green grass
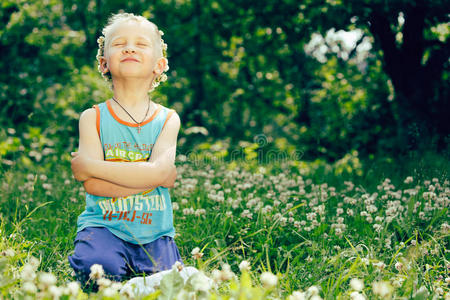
[(38, 219)]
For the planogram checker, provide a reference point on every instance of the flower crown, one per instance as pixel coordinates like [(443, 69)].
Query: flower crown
[(107, 75)]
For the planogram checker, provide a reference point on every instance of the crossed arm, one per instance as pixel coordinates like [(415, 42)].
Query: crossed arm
[(116, 179)]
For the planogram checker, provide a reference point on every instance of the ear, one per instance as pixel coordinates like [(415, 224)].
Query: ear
[(103, 65), (160, 65)]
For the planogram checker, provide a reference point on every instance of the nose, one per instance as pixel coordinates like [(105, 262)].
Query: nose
[(128, 49)]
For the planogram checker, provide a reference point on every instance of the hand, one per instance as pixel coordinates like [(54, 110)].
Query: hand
[(79, 166), (170, 181)]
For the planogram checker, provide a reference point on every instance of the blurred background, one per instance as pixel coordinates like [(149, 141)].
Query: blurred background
[(328, 80)]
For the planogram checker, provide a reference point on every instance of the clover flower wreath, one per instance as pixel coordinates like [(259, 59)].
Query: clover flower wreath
[(107, 75)]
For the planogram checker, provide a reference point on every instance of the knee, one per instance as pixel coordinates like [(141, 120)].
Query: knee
[(113, 266)]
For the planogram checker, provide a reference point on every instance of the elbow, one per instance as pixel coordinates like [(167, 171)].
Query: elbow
[(159, 172), (173, 169), (165, 165), (167, 173)]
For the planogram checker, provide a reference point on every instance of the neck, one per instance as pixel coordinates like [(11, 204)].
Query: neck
[(131, 92)]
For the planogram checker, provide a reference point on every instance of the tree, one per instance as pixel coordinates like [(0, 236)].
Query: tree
[(415, 53)]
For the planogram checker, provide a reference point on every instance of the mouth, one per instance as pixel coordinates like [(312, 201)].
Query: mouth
[(129, 59)]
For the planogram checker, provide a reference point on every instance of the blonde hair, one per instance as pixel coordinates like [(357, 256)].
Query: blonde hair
[(122, 17)]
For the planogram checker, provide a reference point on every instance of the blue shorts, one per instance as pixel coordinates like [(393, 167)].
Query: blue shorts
[(120, 259)]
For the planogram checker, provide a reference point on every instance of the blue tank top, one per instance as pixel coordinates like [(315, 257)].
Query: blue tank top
[(140, 218)]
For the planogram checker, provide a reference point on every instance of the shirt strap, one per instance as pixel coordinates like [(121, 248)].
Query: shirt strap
[(97, 112), (167, 117)]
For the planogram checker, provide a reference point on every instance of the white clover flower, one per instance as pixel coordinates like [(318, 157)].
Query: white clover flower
[(8, 252), (46, 279), (244, 265), (28, 273), (315, 297), (296, 295), (103, 282), (188, 211), (380, 265), (177, 266), (183, 295), (365, 261), (216, 275), (269, 280), (200, 211), (47, 186), (379, 219), (196, 254), (399, 266), (439, 290), (313, 290), (200, 282), (29, 287), (55, 291), (97, 271), (377, 227), (382, 288), (408, 179), (108, 292), (73, 288), (226, 273), (423, 291), (357, 296), (34, 262), (246, 214), (357, 284)]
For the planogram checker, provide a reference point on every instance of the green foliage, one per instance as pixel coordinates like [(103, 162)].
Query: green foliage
[(249, 75), (405, 255)]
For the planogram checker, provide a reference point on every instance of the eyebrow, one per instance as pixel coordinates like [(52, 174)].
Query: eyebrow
[(139, 37)]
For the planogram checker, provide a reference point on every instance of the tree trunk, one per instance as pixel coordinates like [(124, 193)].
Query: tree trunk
[(416, 86), (194, 110)]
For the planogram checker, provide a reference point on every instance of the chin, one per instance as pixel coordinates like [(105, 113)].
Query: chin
[(133, 73)]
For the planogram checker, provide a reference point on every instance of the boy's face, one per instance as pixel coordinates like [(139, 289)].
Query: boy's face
[(131, 51)]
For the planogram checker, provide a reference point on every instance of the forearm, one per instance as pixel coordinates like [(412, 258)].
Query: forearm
[(103, 188), (135, 175)]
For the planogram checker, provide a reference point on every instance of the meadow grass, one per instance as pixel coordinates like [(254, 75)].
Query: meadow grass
[(349, 230)]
